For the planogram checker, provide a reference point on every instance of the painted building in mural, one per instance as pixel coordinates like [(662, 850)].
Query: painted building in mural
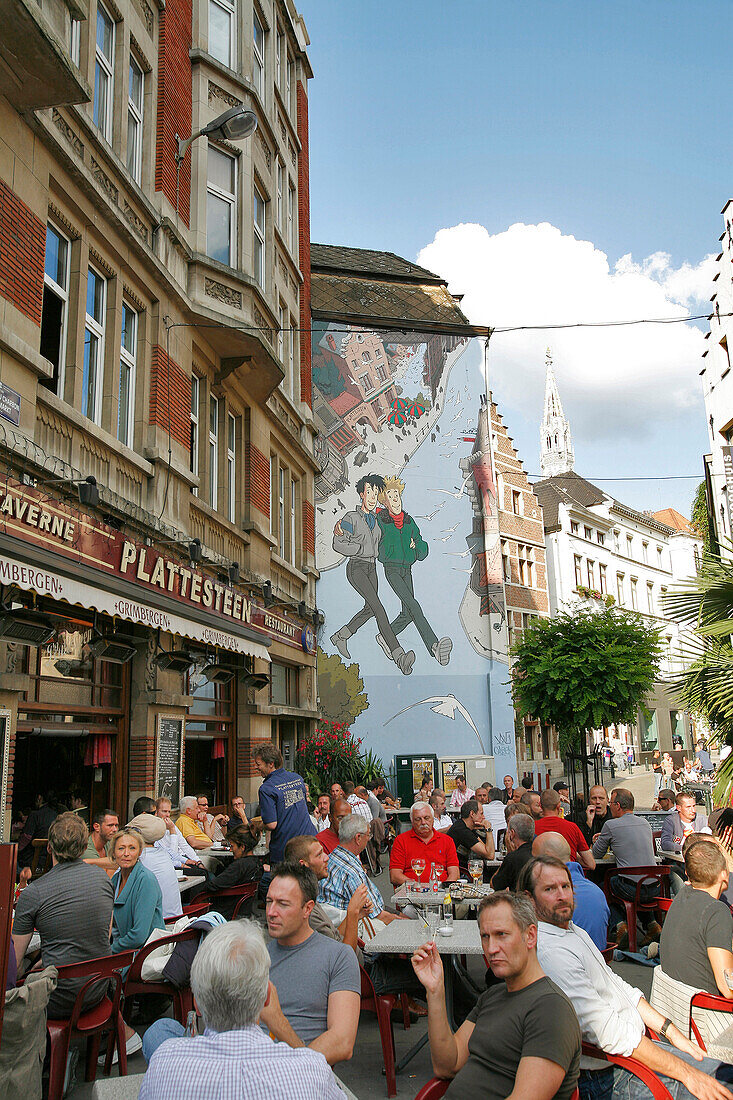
[(420, 589)]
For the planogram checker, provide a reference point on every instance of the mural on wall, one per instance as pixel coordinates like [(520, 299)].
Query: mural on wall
[(415, 645)]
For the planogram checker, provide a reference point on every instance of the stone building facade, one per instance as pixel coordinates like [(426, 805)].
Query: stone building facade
[(150, 308)]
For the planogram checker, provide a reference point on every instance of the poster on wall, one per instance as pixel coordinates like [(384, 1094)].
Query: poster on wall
[(169, 757), (5, 764), (422, 771), (450, 769), (413, 655)]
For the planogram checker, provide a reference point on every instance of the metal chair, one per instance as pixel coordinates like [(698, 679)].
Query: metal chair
[(646, 1075), (244, 893), (195, 909), (90, 1024), (707, 1000), (135, 986), (632, 908)]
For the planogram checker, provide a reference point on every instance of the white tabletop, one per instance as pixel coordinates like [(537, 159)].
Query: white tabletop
[(404, 894), (405, 936), (677, 856), (187, 883)]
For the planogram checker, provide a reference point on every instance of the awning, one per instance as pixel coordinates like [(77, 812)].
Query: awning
[(64, 589)]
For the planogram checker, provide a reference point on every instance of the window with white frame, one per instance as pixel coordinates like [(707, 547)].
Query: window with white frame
[(292, 347), (602, 584), (620, 589), (591, 572), (279, 60), (634, 593), (630, 546), (294, 496), (221, 31), (650, 597), (258, 54), (281, 512), (128, 361), (91, 392), (232, 467), (221, 207), (645, 552), (279, 208), (273, 495), (600, 538), (588, 532), (213, 450), (289, 83), (574, 527), (291, 217), (660, 559), (194, 445), (135, 121), (258, 248), (104, 72), (577, 564), (281, 333), (54, 317), (75, 40)]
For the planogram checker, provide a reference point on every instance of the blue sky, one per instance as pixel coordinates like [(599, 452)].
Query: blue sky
[(603, 120)]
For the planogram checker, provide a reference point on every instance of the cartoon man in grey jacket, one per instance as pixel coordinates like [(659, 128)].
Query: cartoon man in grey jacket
[(357, 537)]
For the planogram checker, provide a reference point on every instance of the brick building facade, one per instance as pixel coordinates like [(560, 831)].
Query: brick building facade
[(150, 311)]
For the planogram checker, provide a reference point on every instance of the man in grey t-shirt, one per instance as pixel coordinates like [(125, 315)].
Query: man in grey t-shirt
[(315, 982), (71, 907), (630, 839)]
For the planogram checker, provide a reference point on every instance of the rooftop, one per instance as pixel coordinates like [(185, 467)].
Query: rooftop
[(571, 488)]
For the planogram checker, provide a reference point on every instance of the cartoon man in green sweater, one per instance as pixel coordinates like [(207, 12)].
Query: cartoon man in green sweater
[(400, 547)]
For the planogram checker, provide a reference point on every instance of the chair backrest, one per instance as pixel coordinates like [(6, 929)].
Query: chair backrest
[(195, 909), (134, 973), (646, 875), (433, 1090), (109, 966), (706, 1000), (638, 1069), (657, 837)]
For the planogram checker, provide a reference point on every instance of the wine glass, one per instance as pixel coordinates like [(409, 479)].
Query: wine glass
[(476, 870), (439, 872), (418, 866)]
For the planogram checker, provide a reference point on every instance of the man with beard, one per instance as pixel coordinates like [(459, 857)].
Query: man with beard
[(612, 1014)]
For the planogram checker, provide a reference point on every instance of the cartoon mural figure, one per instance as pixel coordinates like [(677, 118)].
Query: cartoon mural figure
[(400, 547), (357, 536)]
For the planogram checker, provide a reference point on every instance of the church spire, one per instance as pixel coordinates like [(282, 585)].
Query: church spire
[(556, 444)]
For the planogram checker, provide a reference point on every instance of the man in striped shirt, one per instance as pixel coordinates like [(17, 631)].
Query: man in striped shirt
[(345, 872)]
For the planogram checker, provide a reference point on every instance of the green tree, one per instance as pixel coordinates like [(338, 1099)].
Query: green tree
[(584, 670), (699, 520), (340, 688), (704, 603)]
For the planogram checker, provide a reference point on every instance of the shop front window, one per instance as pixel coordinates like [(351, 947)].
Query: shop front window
[(210, 738)]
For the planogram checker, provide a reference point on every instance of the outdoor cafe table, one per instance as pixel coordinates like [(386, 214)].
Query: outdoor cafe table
[(188, 883), (403, 937)]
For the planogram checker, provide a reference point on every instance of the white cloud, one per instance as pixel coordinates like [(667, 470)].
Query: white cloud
[(613, 381)]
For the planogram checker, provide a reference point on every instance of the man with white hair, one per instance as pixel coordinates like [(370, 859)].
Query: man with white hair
[(234, 1059), (190, 825), (422, 842), (346, 874), (518, 840)]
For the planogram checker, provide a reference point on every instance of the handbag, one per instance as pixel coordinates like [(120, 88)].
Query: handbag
[(153, 965)]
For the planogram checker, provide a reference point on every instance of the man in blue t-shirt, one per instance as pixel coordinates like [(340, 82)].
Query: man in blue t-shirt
[(283, 805)]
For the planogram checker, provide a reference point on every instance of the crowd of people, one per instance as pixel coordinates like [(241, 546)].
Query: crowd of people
[(279, 992)]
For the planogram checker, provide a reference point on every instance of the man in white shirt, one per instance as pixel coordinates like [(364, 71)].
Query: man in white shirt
[(151, 828), (359, 805), (218, 824), (612, 1014), (173, 842), (461, 794), (443, 821), (323, 805)]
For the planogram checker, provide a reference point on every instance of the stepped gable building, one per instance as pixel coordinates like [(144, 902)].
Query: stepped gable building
[(600, 551), (157, 555)]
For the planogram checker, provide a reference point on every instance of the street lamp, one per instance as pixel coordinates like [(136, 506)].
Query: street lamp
[(234, 125)]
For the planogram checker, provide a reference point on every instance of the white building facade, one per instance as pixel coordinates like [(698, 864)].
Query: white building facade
[(717, 382)]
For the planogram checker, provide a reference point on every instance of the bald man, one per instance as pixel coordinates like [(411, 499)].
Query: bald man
[(591, 908)]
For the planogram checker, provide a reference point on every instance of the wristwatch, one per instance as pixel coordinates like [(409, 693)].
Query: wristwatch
[(665, 1028)]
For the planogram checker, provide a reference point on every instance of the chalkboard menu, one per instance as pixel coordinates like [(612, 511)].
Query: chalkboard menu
[(656, 818), (169, 758), (4, 765)]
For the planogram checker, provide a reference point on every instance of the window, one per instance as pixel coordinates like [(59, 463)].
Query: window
[(213, 450), (75, 40), (232, 467), (366, 357), (634, 594), (591, 571), (366, 384), (588, 532), (128, 359), (578, 569), (284, 684), (135, 121), (620, 594), (258, 248), (55, 306), (273, 494), (602, 583), (600, 538), (91, 393), (659, 558), (291, 359), (649, 731), (506, 567), (279, 205), (221, 31), (629, 546), (291, 217), (574, 528), (258, 51), (281, 513), (289, 83), (294, 499), (194, 445), (650, 597), (516, 502), (221, 207), (104, 72), (525, 564), (645, 552), (279, 61), (529, 743)]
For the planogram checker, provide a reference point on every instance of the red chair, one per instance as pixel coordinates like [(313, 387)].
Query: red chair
[(664, 905), (633, 907), (649, 1078), (382, 1004), (104, 1019), (707, 1000), (437, 1087), (135, 986), (244, 893), (195, 909)]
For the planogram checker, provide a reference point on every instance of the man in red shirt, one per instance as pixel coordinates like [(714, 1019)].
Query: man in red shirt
[(551, 822), (329, 838), (422, 842)]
